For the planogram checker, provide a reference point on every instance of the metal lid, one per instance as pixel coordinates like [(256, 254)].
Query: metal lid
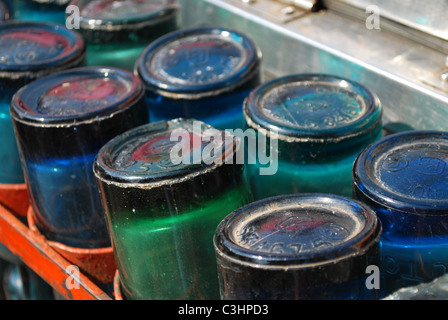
[(406, 172), (144, 156), (198, 62), (112, 15), (314, 107), (76, 95), (32, 49), (297, 231)]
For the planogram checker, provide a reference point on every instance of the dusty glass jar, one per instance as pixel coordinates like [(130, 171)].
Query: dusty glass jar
[(40, 10), (403, 177), (30, 50), (117, 31), (61, 121), (320, 124), (202, 73), (162, 214), (298, 247)]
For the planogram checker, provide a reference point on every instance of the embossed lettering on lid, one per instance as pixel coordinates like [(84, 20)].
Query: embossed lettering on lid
[(34, 46), (313, 106), (406, 171), (77, 94), (198, 61), (298, 229), (144, 155)]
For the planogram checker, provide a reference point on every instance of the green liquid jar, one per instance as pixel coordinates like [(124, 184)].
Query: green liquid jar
[(161, 215), (320, 124), (117, 31), (40, 10)]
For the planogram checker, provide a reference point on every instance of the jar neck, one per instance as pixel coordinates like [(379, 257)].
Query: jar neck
[(324, 151)]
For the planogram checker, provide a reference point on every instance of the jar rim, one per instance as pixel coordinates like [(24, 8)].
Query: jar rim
[(400, 172), (250, 57), (297, 222), (28, 105), (267, 108), (138, 159), (72, 53)]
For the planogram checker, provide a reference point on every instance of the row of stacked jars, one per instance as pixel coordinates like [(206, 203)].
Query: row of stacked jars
[(36, 42), (162, 216)]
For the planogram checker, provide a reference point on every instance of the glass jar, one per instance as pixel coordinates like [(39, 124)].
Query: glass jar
[(117, 31), (298, 247), (403, 177), (315, 126), (29, 51), (41, 10), (61, 121), (203, 73), (162, 214)]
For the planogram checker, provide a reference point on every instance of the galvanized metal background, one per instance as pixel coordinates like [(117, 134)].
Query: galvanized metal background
[(405, 74)]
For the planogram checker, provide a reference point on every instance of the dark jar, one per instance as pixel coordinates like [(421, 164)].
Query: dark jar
[(203, 73), (28, 51), (162, 214), (117, 31), (314, 126), (61, 121), (299, 247), (404, 178)]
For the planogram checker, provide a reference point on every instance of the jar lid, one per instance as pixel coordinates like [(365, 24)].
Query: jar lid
[(406, 172), (76, 95), (198, 62), (32, 49), (298, 231), (314, 107), (144, 156), (115, 15)]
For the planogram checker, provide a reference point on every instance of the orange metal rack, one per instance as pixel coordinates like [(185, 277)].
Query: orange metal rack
[(19, 235)]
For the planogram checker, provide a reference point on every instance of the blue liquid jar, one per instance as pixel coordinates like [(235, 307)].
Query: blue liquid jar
[(61, 121), (403, 177), (29, 51), (202, 73), (117, 31), (40, 10), (298, 247), (162, 214), (320, 124)]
